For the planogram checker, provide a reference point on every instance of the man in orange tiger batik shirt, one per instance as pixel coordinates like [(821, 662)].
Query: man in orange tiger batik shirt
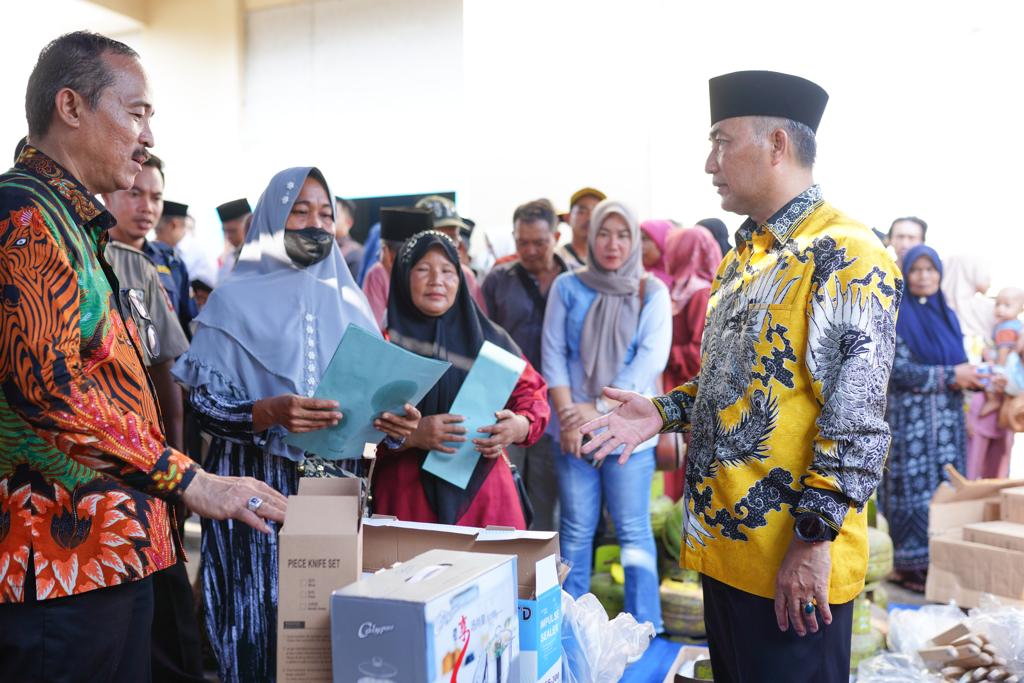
[(86, 474)]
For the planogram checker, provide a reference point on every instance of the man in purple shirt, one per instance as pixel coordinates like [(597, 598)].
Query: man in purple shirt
[(516, 295)]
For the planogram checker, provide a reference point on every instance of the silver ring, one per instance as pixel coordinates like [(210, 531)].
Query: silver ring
[(254, 503)]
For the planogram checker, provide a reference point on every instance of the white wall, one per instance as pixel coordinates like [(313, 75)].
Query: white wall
[(923, 116), (29, 27), (507, 100), (368, 90)]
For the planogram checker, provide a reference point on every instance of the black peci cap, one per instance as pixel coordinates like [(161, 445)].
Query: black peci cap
[(236, 208), (174, 209), (767, 93), (399, 223)]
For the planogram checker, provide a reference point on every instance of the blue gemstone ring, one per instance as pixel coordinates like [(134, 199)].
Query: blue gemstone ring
[(808, 608)]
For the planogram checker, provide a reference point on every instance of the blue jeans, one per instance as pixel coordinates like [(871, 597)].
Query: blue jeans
[(626, 491)]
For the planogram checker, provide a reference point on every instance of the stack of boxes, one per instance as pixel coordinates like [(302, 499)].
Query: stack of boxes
[(423, 603), (977, 543)]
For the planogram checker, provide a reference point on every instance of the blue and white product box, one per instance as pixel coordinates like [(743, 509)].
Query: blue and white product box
[(387, 540), (540, 627), (441, 617)]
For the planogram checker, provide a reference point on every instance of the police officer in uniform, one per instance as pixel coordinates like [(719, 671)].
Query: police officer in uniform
[(174, 275)]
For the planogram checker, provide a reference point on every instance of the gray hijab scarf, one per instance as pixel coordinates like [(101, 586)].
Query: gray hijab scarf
[(273, 327), (611, 322)]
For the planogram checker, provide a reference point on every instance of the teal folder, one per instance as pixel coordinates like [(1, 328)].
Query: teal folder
[(367, 376), (484, 392)]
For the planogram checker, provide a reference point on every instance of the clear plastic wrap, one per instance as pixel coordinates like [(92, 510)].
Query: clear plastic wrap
[(594, 648), (894, 668), (1003, 625), (911, 629)]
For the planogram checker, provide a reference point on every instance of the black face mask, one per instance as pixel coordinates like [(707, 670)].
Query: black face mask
[(307, 246)]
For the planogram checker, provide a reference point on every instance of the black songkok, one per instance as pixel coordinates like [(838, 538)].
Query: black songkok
[(172, 209), (399, 223), (236, 208), (767, 93)]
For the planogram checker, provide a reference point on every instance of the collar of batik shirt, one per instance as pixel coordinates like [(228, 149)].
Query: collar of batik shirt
[(79, 203), (785, 221)]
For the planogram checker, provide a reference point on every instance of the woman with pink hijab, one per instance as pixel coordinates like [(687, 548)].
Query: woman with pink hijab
[(691, 259), (654, 234)]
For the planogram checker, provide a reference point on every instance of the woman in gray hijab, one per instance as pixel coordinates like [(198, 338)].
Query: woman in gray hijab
[(607, 325), (262, 343)]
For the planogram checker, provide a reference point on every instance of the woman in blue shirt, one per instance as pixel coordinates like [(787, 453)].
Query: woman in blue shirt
[(607, 325)]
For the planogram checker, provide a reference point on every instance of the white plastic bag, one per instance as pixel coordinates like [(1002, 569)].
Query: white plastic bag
[(594, 649), (1003, 626), (911, 629), (894, 668)]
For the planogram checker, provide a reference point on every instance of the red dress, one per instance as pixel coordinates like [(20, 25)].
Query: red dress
[(684, 364), (397, 490)]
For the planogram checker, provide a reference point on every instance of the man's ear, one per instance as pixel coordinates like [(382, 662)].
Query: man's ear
[(69, 106), (780, 144)]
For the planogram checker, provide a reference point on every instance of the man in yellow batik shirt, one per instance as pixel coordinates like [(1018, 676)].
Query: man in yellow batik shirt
[(787, 414)]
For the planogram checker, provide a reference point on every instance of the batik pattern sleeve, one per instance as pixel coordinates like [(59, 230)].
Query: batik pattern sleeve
[(675, 406), (910, 375), (89, 409), (850, 341), (222, 416)]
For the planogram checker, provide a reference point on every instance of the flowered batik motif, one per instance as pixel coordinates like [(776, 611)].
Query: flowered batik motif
[(929, 431), (787, 415), (83, 461)]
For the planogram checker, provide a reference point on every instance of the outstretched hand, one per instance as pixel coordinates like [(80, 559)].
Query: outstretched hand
[(629, 425), (216, 497)]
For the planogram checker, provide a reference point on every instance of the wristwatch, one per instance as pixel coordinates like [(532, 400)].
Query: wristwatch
[(811, 528)]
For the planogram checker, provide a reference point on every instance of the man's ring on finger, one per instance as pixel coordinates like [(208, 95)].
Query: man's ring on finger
[(254, 503), (808, 607)]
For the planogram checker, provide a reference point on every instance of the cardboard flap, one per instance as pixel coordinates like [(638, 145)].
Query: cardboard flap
[(547, 574), (387, 540), (960, 489), (312, 515), (530, 546), (329, 486), (425, 577)]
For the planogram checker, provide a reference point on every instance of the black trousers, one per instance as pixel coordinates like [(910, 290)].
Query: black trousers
[(176, 649), (748, 647), (97, 636)]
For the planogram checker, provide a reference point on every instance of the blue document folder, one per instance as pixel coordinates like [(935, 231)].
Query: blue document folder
[(484, 392), (367, 376)]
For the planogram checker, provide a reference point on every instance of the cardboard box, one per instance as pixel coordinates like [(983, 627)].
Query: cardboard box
[(1013, 505), (540, 626), (387, 540), (999, 534), (319, 550), (962, 501), (444, 616), (963, 571)]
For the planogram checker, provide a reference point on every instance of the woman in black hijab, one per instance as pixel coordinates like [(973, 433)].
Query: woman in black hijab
[(720, 232), (430, 312)]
